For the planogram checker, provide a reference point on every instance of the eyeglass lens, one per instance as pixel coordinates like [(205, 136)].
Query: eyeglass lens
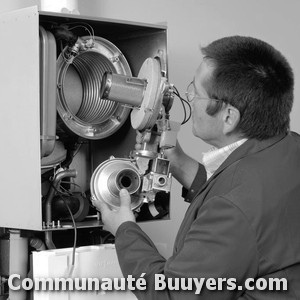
[(190, 92)]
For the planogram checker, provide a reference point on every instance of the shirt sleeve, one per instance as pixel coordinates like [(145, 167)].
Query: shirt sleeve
[(199, 180), (220, 244)]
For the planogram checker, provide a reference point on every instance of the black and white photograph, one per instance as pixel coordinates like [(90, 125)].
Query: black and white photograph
[(150, 150)]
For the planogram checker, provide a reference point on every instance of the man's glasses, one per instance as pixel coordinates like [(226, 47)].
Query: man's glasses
[(190, 94)]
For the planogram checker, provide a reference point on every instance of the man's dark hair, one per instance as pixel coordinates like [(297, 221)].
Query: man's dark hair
[(255, 78)]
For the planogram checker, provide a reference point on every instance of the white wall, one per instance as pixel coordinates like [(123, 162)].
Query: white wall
[(197, 22), (7, 5)]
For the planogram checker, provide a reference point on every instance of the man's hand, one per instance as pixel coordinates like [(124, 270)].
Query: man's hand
[(112, 219)]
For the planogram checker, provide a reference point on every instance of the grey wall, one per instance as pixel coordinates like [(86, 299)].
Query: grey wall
[(197, 22)]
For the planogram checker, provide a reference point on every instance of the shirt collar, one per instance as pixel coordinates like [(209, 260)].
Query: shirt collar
[(213, 158)]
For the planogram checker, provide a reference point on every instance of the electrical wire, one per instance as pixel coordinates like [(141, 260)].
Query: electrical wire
[(60, 194), (81, 24), (74, 184), (65, 57), (187, 115), (184, 102), (64, 164), (75, 236), (90, 33), (78, 148), (64, 191)]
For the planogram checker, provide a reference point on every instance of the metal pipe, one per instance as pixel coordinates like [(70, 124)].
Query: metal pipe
[(18, 262), (123, 89), (48, 205), (37, 244), (48, 240)]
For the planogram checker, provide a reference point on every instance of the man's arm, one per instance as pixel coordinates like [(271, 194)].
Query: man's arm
[(183, 167), (219, 244)]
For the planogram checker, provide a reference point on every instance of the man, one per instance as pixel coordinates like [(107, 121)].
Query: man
[(243, 222)]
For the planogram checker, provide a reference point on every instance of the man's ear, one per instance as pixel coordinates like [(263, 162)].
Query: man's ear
[(231, 119)]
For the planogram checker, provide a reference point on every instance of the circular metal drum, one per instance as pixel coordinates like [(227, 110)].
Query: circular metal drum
[(113, 175), (79, 104)]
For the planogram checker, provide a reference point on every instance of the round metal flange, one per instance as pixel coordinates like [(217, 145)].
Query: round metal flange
[(110, 177), (78, 88)]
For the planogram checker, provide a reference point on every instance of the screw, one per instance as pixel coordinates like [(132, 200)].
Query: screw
[(58, 224), (115, 59)]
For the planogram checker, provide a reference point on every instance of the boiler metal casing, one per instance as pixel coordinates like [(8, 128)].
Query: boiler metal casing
[(20, 113)]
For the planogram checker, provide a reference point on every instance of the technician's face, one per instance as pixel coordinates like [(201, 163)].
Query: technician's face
[(206, 127)]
